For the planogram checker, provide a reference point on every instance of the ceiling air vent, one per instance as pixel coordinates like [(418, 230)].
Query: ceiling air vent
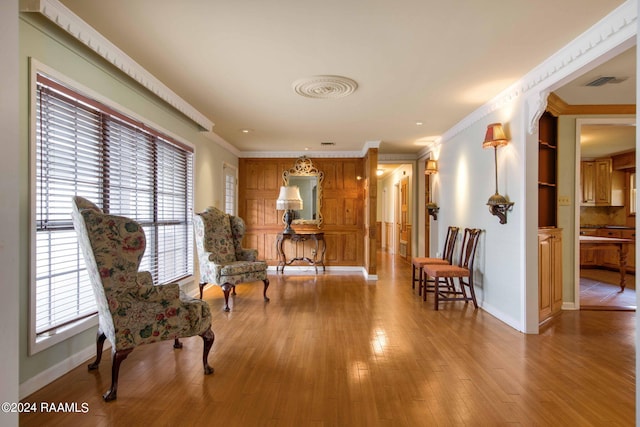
[(327, 144), (604, 80)]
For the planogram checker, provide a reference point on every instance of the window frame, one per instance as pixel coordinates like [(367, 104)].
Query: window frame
[(38, 343)]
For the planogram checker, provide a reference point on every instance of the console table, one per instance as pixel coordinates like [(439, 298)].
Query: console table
[(315, 258)]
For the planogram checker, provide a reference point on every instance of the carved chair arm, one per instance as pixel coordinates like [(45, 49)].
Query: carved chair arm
[(139, 286), (158, 293)]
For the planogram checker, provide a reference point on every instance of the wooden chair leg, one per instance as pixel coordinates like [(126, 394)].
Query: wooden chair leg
[(473, 292), (118, 357), (100, 338), (264, 291), (208, 337), (226, 288), (202, 288)]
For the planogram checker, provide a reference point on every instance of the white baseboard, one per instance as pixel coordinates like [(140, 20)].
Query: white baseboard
[(515, 324), (338, 269), (47, 376)]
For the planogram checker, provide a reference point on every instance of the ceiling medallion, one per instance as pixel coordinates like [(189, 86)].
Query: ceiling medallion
[(324, 87)]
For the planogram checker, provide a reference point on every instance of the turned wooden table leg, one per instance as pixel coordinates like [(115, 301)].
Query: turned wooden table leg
[(623, 266)]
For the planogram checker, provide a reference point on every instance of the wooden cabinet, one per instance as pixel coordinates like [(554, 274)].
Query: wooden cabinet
[(624, 161), (600, 185), (587, 182), (547, 170), (609, 257), (589, 254), (549, 272)]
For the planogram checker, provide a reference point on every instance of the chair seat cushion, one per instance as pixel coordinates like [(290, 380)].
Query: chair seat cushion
[(419, 262), (433, 270), (242, 267)]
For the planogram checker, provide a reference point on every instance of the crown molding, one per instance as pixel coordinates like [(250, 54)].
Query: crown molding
[(90, 37), (296, 154), (317, 154), (617, 30)]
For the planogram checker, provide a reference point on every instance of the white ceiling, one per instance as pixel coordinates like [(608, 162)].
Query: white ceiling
[(425, 61)]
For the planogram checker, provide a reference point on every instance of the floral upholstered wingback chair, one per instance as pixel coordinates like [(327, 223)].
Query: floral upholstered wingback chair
[(132, 311), (223, 261)]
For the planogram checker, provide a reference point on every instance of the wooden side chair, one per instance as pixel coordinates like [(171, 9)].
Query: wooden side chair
[(463, 272), (132, 310), (447, 258)]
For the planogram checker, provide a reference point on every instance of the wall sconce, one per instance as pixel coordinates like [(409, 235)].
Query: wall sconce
[(430, 169), (495, 137), (289, 200)]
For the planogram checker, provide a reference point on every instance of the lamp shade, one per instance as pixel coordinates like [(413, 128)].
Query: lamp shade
[(289, 198), (495, 136), (431, 168)]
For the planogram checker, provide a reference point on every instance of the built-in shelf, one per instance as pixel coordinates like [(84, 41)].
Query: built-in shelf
[(547, 170)]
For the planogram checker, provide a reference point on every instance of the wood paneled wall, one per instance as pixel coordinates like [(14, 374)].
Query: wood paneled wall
[(342, 207)]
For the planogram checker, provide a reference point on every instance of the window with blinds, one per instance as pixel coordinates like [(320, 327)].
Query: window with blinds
[(229, 189), (85, 148)]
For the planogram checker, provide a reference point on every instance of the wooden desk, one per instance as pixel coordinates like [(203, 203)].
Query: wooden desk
[(298, 240), (611, 242)]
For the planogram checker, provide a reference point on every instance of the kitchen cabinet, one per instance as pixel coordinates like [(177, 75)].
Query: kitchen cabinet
[(587, 183), (549, 272), (609, 257), (588, 255), (600, 185)]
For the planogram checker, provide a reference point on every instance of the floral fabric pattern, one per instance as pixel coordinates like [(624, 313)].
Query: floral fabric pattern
[(132, 310), (221, 256)]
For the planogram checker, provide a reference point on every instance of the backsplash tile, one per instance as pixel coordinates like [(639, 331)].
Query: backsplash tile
[(602, 215)]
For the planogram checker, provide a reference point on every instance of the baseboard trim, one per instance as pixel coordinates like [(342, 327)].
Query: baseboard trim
[(47, 376)]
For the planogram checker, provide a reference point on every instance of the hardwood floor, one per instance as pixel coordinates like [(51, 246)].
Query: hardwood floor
[(336, 350)]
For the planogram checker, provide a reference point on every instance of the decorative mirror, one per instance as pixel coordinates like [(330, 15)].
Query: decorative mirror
[(309, 180)]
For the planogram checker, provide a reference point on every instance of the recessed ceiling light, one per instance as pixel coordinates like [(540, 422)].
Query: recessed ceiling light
[(419, 123), (246, 130)]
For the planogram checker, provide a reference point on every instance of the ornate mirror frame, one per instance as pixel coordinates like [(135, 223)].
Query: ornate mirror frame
[(304, 167)]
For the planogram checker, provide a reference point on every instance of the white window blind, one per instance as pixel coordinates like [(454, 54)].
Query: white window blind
[(85, 148), (229, 189)]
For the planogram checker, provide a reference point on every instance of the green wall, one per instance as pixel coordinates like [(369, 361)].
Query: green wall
[(49, 45)]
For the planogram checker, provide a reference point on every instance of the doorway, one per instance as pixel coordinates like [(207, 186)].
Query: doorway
[(605, 180), (589, 96)]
